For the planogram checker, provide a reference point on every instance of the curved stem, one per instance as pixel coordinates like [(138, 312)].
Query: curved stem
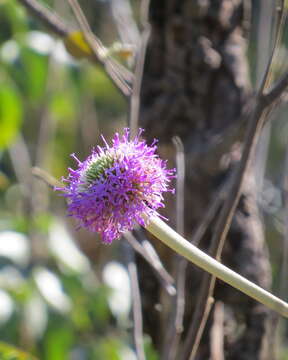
[(176, 242)]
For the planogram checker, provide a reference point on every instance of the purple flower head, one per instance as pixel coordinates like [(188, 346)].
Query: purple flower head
[(117, 186)]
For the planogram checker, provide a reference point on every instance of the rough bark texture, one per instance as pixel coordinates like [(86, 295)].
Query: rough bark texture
[(195, 85)]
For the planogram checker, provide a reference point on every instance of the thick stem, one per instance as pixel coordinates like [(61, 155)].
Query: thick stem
[(176, 242)]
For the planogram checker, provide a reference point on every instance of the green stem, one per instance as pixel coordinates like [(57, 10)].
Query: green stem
[(176, 242)]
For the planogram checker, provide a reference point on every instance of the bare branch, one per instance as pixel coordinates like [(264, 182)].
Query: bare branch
[(135, 98), (46, 177), (210, 213), (284, 268), (217, 333), (118, 74), (175, 322), (136, 302), (223, 223), (267, 77), (274, 94), (47, 16), (123, 16), (283, 288), (99, 50), (163, 276), (180, 184)]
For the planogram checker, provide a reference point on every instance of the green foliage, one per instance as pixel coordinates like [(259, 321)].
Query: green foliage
[(10, 114), (107, 98), (50, 106), (33, 75), (58, 342), (107, 349), (12, 19), (8, 352)]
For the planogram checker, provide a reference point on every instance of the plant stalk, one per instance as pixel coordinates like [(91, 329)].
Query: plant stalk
[(176, 242)]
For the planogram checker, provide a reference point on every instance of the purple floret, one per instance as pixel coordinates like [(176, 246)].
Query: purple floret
[(117, 186)]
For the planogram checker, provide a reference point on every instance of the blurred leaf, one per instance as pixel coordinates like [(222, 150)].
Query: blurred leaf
[(150, 352), (63, 106), (19, 223), (10, 114), (42, 80), (107, 98), (12, 19), (58, 343), (100, 309), (8, 352), (108, 348), (90, 307), (4, 181), (35, 69), (77, 45), (42, 222)]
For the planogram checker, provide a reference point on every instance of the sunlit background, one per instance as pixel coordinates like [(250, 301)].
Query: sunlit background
[(63, 295)]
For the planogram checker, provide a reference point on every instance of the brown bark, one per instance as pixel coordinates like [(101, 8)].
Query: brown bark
[(195, 85)]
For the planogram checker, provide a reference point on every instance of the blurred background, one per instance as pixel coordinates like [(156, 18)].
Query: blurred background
[(63, 295), (56, 301)]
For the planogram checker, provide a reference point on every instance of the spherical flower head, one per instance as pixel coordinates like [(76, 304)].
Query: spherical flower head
[(117, 186)]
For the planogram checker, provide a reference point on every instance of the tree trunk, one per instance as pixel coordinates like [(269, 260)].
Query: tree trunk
[(195, 85)]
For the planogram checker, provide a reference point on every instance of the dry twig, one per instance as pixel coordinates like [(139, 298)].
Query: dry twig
[(99, 51), (118, 74), (136, 302), (255, 125), (163, 276), (175, 325)]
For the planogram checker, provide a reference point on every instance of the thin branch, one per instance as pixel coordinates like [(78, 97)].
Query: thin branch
[(99, 50), (210, 213), (136, 302), (123, 17), (162, 275), (282, 83), (274, 94), (284, 268), (22, 164), (207, 154), (141, 54), (217, 333), (180, 184), (202, 310), (225, 219), (199, 232), (47, 16), (175, 322), (265, 38), (219, 144), (135, 98), (202, 227), (223, 223), (267, 77), (153, 255), (283, 288), (118, 74), (46, 177), (132, 268)]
